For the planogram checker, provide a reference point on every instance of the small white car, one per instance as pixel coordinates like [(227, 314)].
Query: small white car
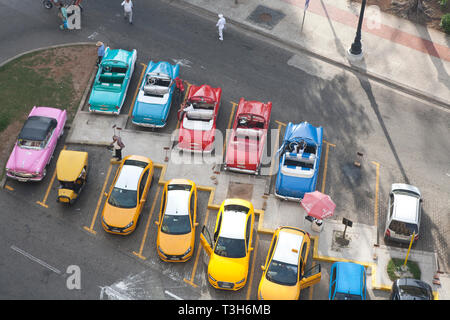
[(404, 212)]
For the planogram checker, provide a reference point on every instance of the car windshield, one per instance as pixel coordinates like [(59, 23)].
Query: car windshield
[(282, 273), (346, 296), (413, 292), (230, 248), (404, 228), (181, 187), (176, 224), (123, 198)]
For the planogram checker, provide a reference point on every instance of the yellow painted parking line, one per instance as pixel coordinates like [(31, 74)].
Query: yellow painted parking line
[(137, 89), (281, 123), (197, 256), (233, 108), (377, 188), (252, 268), (7, 187), (311, 289), (141, 249), (186, 90), (91, 228), (44, 201), (324, 179)]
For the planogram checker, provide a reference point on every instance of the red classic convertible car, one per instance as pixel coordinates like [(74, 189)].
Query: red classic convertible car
[(198, 119), (246, 143)]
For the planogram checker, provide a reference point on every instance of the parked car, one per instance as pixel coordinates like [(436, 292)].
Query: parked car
[(299, 161), (229, 249), (127, 195), (154, 99), (36, 144), (347, 281), (284, 274), (177, 221), (405, 210), (246, 142), (198, 119), (112, 81), (411, 289)]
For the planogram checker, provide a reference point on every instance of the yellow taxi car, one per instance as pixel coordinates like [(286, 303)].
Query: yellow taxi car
[(231, 246), (284, 274), (177, 221), (127, 195)]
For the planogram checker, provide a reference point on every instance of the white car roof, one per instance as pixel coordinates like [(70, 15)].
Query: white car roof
[(284, 252), (129, 177), (177, 203), (233, 224), (405, 207)]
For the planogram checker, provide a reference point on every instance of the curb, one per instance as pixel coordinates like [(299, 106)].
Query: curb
[(297, 47)]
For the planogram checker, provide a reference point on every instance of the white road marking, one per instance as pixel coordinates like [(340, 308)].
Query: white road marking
[(42, 263), (183, 62), (172, 295), (93, 35)]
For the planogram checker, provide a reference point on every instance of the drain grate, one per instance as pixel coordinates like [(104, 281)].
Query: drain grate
[(265, 17)]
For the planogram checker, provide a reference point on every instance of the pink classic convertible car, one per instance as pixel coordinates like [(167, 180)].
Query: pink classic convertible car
[(35, 144)]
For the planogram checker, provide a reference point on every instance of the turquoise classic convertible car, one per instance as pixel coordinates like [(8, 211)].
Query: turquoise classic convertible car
[(112, 81), (155, 94)]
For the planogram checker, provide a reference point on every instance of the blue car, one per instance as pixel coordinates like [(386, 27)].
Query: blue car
[(299, 161), (152, 105), (347, 281)]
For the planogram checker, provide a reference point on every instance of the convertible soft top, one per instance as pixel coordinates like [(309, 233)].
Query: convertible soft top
[(37, 127)]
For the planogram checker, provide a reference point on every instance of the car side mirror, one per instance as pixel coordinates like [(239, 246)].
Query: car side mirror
[(105, 194), (142, 200), (157, 223), (250, 249), (196, 224), (263, 268)]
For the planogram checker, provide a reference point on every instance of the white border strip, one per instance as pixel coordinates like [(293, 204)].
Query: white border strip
[(42, 263)]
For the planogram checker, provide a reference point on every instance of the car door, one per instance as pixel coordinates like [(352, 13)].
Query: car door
[(142, 192), (206, 241), (311, 277)]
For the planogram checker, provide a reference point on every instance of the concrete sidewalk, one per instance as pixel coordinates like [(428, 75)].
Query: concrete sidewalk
[(397, 52)]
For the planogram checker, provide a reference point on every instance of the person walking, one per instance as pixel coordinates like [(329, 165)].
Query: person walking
[(221, 25), (100, 51), (180, 88), (117, 146), (128, 10)]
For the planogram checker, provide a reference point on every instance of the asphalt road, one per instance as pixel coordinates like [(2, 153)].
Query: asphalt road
[(406, 137)]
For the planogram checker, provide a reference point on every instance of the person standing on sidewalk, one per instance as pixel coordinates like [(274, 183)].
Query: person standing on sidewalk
[(117, 145), (128, 10), (221, 25), (100, 51)]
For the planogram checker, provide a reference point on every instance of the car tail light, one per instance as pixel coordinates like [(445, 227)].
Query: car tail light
[(117, 107), (388, 233), (416, 237)]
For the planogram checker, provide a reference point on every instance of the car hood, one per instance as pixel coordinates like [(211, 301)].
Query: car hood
[(242, 153), (174, 244), (26, 160), (294, 187), (156, 112), (105, 98), (273, 291), (117, 217), (228, 269)]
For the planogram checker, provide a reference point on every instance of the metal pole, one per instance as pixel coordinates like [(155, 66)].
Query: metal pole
[(356, 47), (409, 249), (303, 21)]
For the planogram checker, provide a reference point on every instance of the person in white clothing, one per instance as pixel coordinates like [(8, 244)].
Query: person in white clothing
[(128, 10), (221, 25)]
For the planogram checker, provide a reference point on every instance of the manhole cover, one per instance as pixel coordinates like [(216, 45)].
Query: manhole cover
[(240, 190), (265, 17)]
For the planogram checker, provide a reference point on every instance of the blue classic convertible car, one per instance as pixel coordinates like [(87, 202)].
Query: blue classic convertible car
[(112, 81), (299, 161), (153, 102)]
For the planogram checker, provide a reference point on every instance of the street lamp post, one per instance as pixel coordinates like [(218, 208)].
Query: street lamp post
[(356, 48)]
